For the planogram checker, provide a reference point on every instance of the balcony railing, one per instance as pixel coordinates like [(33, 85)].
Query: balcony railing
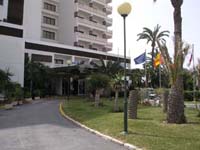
[(84, 7), (100, 1), (109, 20), (99, 12), (108, 1), (91, 24), (90, 9), (91, 39), (108, 9), (109, 45), (84, 21), (109, 33)]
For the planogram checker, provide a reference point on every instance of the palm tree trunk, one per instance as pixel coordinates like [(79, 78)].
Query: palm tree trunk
[(165, 100), (175, 112), (133, 103), (152, 58), (97, 98), (116, 108)]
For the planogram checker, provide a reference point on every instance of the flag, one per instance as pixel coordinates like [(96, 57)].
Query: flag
[(140, 59), (158, 60), (189, 63)]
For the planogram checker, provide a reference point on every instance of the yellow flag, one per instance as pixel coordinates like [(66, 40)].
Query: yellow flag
[(158, 60)]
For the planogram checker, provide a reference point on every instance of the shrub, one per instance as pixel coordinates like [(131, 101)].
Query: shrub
[(188, 95), (18, 92)]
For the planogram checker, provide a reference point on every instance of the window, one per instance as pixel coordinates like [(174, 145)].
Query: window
[(49, 20), (15, 11), (49, 35), (59, 61), (41, 58), (50, 7), (1, 2)]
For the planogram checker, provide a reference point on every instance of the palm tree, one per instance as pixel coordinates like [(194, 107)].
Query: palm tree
[(114, 71), (98, 82), (152, 37), (116, 84), (110, 68), (175, 112), (176, 99), (198, 79)]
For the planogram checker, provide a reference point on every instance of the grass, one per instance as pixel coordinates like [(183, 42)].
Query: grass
[(192, 102), (1, 106), (149, 131)]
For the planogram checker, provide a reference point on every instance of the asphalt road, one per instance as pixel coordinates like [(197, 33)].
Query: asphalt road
[(39, 126)]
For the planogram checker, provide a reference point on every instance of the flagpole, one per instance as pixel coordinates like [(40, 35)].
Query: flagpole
[(145, 69), (118, 54), (194, 79), (160, 76)]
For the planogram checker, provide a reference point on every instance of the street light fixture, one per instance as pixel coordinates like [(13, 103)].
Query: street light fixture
[(124, 10)]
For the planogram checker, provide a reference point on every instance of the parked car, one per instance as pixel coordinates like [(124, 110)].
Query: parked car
[(151, 93)]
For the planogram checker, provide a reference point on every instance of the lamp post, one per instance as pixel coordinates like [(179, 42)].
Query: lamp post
[(124, 9)]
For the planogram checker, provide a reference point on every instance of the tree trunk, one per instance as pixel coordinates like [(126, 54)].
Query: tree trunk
[(116, 108), (97, 98), (152, 58), (165, 100), (175, 113), (133, 102)]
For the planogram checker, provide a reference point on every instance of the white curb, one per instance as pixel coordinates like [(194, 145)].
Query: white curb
[(106, 137)]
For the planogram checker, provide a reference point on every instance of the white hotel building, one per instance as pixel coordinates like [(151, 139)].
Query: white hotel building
[(54, 32)]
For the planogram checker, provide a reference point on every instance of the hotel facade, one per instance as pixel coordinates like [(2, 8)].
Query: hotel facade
[(54, 32)]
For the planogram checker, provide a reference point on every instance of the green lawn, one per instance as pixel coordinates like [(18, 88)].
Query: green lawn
[(192, 102), (1, 106), (149, 131)]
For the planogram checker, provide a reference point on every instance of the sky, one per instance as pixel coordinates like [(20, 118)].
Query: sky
[(145, 13)]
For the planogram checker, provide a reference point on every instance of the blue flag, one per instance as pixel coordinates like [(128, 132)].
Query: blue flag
[(140, 59)]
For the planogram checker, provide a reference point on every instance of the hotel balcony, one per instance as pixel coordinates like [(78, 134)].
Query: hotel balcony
[(109, 45), (92, 11), (99, 13), (109, 34), (90, 39), (90, 24), (101, 2), (83, 7), (108, 1), (108, 21), (108, 9)]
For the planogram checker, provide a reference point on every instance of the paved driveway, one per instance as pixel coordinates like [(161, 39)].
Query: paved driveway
[(39, 126)]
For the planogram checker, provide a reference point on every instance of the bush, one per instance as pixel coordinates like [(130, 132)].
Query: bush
[(18, 92), (27, 94), (97, 81), (188, 95)]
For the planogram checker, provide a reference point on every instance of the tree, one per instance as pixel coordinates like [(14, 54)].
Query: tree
[(175, 112), (188, 80), (174, 67), (116, 84), (152, 37), (110, 68), (6, 85), (136, 78), (37, 78), (98, 82), (198, 79), (114, 71)]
